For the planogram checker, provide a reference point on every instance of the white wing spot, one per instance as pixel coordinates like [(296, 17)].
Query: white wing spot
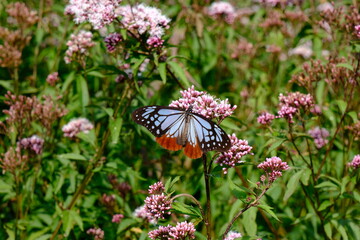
[(157, 131), (152, 119)]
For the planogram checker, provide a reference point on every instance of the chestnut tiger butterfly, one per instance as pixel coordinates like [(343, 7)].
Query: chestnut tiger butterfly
[(175, 128)]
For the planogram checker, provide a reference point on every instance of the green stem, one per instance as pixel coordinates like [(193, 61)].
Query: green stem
[(208, 199)]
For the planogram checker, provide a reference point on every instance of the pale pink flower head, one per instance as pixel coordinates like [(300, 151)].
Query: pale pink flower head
[(97, 233), (76, 126), (112, 40), (222, 10), (273, 168), (233, 156), (292, 103), (319, 135), (357, 30), (304, 50), (204, 104), (155, 42), (144, 20), (232, 235), (158, 205), (13, 160), (265, 118), (52, 78), (183, 230), (157, 188), (163, 232), (78, 46), (355, 163), (33, 143), (117, 218), (141, 212), (97, 12)]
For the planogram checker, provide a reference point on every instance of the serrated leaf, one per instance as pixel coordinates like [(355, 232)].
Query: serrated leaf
[(327, 184), (77, 219), (72, 156), (7, 84), (83, 91), (184, 209), (267, 209), (328, 230), (170, 183), (125, 224), (115, 128), (325, 204), (292, 185), (353, 115), (68, 222), (342, 105), (4, 187), (88, 137), (162, 71), (249, 221), (239, 194)]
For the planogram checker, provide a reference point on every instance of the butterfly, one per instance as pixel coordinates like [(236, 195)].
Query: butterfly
[(176, 128)]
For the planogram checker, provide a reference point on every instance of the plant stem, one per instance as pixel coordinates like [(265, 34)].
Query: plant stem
[(255, 202), (208, 200)]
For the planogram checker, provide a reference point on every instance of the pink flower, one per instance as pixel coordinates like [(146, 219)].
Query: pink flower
[(76, 126), (117, 218), (265, 118), (222, 10), (52, 78), (157, 188), (273, 168), (112, 40), (232, 235), (98, 12), (141, 212), (13, 160), (355, 163), (161, 233), (158, 205), (204, 104), (229, 159), (287, 112), (98, 233), (143, 20), (183, 230), (155, 42), (33, 143), (357, 30), (304, 50), (319, 135), (291, 104), (78, 46)]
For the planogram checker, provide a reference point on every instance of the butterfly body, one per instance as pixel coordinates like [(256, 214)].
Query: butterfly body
[(175, 128)]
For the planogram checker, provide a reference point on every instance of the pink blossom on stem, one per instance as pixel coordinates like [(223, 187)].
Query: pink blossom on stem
[(112, 40), (183, 230), (204, 104), (233, 156), (117, 218), (76, 126), (232, 235), (52, 78), (155, 42), (141, 212), (158, 205), (157, 188), (222, 10), (291, 104), (163, 232), (97, 12), (98, 233), (265, 118), (319, 135), (287, 112), (33, 143), (13, 160), (273, 168), (78, 46), (357, 30), (355, 163)]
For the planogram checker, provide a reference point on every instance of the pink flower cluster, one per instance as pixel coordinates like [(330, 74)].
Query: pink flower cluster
[(33, 143), (355, 163), (142, 19), (158, 205), (98, 233), (112, 40), (273, 168), (76, 126), (52, 78), (13, 160), (98, 12), (204, 104), (182, 230), (232, 235), (230, 158), (222, 10), (117, 218), (357, 30), (157, 188), (291, 104), (78, 46), (265, 118), (319, 135)]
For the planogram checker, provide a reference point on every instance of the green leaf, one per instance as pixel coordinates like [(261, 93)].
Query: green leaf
[(343, 233), (239, 194), (327, 184), (68, 80), (137, 62), (345, 65), (4, 187), (353, 115), (162, 71), (89, 137), (59, 183), (170, 183), (325, 204), (267, 209), (68, 222), (125, 224), (275, 144), (342, 105), (249, 221), (115, 128), (305, 177), (72, 156), (83, 91), (320, 92), (292, 185), (77, 219), (180, 73), (328, 230), (185, 209), (7, 84)]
